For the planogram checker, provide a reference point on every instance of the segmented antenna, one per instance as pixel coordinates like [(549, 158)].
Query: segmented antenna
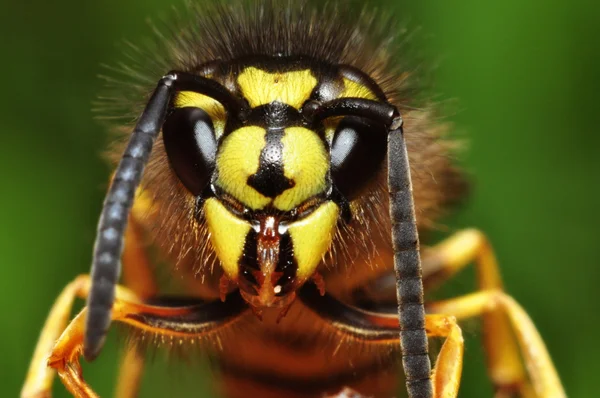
[(407, 265), (106, 262), (405, 238)]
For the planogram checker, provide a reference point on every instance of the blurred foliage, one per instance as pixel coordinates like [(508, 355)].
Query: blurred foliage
[(526, 74)]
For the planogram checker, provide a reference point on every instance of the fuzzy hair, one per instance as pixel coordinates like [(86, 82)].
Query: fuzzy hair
[(226, 30)]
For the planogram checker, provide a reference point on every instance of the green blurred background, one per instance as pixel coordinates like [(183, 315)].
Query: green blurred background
[(526, 73)]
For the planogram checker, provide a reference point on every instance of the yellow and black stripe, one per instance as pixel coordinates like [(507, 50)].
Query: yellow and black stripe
[(274, 173)]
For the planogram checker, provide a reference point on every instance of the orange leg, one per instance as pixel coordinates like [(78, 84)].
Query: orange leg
[(544, 379), (170, 323), (446, 259), (138, 276), (505, 364), (65, 354), (448, 366), (382, 329), (130, 373), (39, 376)]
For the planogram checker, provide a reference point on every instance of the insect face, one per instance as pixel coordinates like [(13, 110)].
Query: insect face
[(275, 127), (273, 178)]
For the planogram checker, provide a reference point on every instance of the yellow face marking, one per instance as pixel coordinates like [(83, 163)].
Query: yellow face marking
[(238, 159), (211, 106), (351, 90), (356, 90), (227, 235), (312, 237), (305, 161), (260, 87)]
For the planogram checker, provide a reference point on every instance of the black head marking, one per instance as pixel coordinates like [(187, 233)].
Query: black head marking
[(270, 180), (274, 115)]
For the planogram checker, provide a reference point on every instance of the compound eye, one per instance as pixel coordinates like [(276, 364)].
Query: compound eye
[(191, 146), (357, 152)]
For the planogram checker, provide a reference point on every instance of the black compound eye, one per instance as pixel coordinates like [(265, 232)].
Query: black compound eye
[(191, 146), (357, 152)]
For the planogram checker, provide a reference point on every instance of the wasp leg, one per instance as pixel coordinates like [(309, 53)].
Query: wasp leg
[(444, 260), (504, 360), (382, 328), (541, 370), (130, 373), (138, 276), (440, 263), (189, 321), (39, 376), (181, 322)]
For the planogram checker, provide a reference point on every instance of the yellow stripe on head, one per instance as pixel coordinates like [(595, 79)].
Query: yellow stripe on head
[(306, 162), (212, 107), (312, 237), (227, 235), (352, 89), (260, 87), (237, 159), (356, 90)]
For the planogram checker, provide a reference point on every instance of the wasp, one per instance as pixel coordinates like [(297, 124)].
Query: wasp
[(282, 166)]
